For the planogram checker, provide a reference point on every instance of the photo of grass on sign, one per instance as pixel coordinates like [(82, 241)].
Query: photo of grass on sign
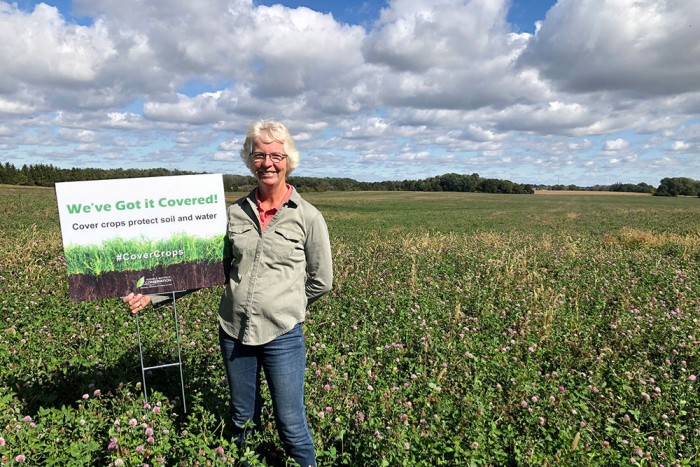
[(148, 235)]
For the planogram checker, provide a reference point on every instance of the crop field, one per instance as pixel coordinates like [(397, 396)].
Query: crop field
[(463, 329)]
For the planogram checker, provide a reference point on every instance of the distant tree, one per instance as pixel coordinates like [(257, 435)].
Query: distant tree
[(570, 188), (472, 182), (9, 174), (48, 175), (678, 186), (488, 185), (238, 182), (646, 188), (631, 188), (523, 189), (24, 176), (458, 182), (44, 175), (451, 182)]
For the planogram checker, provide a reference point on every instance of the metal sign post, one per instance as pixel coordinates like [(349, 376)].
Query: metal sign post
[(179, 357)]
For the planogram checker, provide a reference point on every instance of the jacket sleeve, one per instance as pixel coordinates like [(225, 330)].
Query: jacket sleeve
[(319, 263)]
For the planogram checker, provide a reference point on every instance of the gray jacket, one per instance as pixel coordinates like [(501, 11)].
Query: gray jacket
[(275, 273)]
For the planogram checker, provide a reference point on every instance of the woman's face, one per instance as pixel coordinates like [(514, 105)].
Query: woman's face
[(268, 172)]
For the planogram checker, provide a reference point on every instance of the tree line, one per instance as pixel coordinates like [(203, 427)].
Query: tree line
[(48, 175), (615, 187), (670, 186)]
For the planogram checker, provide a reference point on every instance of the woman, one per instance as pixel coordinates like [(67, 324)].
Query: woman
[(280, 262)]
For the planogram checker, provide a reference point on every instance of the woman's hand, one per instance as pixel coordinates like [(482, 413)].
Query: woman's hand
[(137, 302)]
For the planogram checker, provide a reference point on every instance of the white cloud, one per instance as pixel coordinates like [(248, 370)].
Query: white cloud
[(628, 46), (420, 35), (616, 145), (78, 135), (681, 146), (88, 147), (200, 109), (450, 54), (546, 117), (412, 156), (40, 48), (577, 146), (224, 156), (16, 106), (233, 145), (123, 120)]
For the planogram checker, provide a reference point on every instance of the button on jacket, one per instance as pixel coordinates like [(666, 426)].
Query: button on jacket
[(276, 272)]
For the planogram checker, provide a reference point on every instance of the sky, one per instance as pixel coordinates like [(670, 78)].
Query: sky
[(582, 92)]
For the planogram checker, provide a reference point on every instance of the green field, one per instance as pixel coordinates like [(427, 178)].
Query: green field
[(463, 329)]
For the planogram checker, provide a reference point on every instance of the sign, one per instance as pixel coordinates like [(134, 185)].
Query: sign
[(142, 235)]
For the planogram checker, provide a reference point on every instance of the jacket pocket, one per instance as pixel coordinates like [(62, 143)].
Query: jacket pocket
[(241, 238), (285, 243)]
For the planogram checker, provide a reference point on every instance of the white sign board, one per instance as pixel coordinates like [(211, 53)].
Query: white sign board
[(148, 235)]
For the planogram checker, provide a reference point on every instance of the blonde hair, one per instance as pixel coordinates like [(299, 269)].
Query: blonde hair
[(269, 131)]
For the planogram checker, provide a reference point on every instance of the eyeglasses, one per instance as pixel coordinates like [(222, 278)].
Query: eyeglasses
[(275, 157)]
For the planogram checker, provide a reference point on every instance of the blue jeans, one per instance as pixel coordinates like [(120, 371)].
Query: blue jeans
[(284, 361)]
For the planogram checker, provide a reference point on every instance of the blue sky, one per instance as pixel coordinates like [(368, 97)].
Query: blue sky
[(598, 92)]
